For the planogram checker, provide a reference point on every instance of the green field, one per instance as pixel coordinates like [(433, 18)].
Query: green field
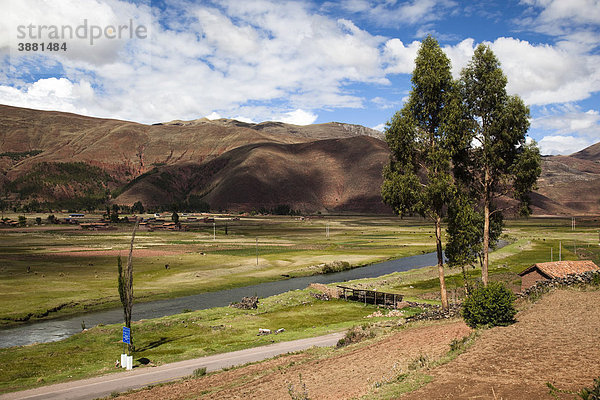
[(286, 246), (71, 271)]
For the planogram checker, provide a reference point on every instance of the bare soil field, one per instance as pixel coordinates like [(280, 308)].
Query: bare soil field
[(124, 252), (348, 373), (555, 340)]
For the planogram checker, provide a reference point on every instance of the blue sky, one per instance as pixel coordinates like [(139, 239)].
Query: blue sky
[(299, 61)]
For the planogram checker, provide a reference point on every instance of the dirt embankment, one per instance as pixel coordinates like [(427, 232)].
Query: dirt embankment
[(556, 340), (346, 374)]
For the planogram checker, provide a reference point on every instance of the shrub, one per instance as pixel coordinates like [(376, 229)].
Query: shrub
[(198, 372), (356, 334), (489, 306), (592, 393)]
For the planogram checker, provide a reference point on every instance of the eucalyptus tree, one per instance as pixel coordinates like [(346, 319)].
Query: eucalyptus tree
[(495, 160), (418, 178)]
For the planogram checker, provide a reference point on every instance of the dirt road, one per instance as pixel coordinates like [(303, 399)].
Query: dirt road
[(105, 385)]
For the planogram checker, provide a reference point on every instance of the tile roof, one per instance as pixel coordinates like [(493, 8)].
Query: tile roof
[(560, 269)]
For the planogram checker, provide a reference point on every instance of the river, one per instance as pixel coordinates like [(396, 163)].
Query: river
[(61, 328)]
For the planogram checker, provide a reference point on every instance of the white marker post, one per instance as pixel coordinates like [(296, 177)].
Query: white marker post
[(126, 360)]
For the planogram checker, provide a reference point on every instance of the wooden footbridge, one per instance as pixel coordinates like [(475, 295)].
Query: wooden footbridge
[(371, 296)]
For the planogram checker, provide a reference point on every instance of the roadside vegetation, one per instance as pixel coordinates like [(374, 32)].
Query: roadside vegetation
[(179, 337)]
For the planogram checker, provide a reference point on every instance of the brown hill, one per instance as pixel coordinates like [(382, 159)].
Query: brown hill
[(231, 164), (591, 153), (333, 174), (569, 185)]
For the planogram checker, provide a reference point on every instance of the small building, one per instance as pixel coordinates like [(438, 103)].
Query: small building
[(557, 269)]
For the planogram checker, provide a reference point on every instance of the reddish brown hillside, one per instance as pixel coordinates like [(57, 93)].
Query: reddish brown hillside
[(122, 148), (569, 185), (334, 174), (591, 153), (236, 165)]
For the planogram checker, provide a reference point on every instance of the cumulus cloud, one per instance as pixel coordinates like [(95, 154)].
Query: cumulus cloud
[(574, 20), (49, 94), (566, 129), (546, 74), (400, 59), (568, 120), (224, 58), (298, 117), (539, 73), (379, 127), (396, 13), (559, 144)]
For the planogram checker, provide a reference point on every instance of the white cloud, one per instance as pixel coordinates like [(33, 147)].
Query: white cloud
[(569, 120), (298, 117), (213, 115), (283, 55), (380, 127), (396, 13), (558, 144), (579, 11), (400, 59), (539, 73), (49, 94), (566, 129), (546, 74)]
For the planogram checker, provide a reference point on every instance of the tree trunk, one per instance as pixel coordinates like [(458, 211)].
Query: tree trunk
[(486, 230), (440, 257)]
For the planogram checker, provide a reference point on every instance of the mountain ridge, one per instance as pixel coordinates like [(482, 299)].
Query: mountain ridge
[(234, 165)]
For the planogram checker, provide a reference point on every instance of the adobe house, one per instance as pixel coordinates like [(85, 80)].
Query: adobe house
[(557, 269)]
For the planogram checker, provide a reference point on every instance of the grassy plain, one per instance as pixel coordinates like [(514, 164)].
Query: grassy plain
[(286, 246), (179, 337), (74, 270)]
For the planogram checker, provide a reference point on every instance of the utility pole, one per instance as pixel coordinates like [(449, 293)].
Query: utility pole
[(559, 251), (551, 257), (327, 231), (257, 252), (214, 231)]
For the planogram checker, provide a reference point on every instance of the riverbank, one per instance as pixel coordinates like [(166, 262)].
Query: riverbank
[(73, 272), (179, 337)]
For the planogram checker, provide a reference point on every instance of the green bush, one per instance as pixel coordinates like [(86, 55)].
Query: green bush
[(592, 393), (489, 306)]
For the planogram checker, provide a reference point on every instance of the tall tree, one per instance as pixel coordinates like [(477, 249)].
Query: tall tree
[(125, 282), (418, 178), (494, 161)]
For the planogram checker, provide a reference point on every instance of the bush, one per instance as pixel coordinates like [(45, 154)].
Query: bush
[(592, 393), (489, 306), (356, 334), (198, 372)]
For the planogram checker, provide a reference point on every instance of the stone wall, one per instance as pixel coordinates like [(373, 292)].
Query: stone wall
[(586, 278)]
